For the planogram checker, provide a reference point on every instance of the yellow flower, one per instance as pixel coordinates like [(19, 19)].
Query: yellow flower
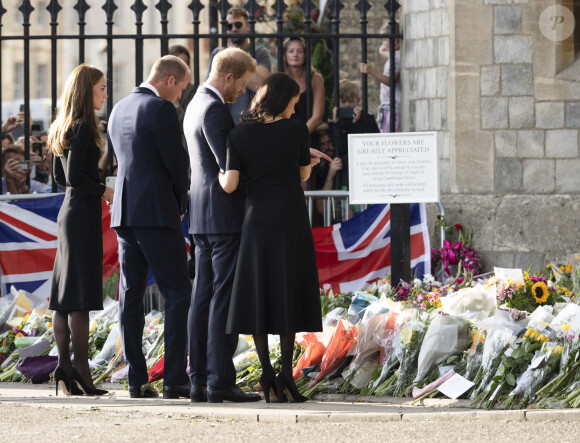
[(569, 268), (540, 292), (542, 337), (562, 267), (548, 266)]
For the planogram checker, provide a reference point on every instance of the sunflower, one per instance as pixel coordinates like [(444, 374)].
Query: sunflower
[(540, 292)]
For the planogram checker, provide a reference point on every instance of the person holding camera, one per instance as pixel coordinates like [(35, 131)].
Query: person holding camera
[(348, 118), (38, 162), (14, 172)]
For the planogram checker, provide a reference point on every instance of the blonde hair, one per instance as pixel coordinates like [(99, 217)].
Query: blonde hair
[(169, 65), (238, 12), (76, 106), (232, 60), (348, 90), (287, 43)]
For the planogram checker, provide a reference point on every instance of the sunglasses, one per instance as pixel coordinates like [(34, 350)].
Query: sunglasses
[(238, 25)]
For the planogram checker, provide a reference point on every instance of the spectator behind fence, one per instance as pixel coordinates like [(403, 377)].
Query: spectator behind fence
[(14, 172), (237, 19), (383, 113), (348, 118), (324, 173), (182, 102), (149, 204), (77, 279), (39, 170), (275, 289), (295, 66), (7, 139), (215, 220)]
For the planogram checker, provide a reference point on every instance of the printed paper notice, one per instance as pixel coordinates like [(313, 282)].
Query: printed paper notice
[(393, 168), (455, 386)]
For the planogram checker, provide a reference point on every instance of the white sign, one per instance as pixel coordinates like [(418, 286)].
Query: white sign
[(398, 167)]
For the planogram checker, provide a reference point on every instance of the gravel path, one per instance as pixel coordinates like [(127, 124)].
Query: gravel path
[(31, 413), (28, 423)]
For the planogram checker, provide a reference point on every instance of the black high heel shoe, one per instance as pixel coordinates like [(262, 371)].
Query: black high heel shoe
[(287, 388), (75, 378), (268, 384), (61, 379)]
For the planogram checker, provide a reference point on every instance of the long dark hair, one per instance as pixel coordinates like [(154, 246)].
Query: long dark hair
[(272, 98), (76, 105)]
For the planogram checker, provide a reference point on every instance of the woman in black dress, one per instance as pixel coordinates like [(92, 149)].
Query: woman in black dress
[(77, 280), (275, 289)]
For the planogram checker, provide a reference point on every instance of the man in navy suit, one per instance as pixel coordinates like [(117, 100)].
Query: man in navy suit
[(149, 203), (215, 221)]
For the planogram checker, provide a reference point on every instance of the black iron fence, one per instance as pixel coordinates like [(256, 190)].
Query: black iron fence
[(306, 29)]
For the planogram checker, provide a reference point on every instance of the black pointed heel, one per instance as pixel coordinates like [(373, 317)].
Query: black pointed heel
[(286, 387), (75, 378), (61, 379), (268, 384)]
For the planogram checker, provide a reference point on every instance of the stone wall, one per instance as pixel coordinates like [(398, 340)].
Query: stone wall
[(506, 102)]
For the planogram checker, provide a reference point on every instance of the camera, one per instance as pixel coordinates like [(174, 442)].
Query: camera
[(37, 148), (345, 112), (35, 130), (24, 165), (22, 107)]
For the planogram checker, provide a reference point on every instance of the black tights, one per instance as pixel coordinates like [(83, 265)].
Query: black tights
[(73, 325), (287, 348)]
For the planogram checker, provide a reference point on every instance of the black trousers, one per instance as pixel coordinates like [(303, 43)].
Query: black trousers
[(164, 251), (210, 349)]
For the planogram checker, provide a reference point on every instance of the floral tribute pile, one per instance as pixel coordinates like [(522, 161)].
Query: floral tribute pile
[(510, 340)]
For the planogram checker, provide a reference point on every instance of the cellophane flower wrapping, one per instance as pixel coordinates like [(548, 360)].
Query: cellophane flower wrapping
[(475, 299), (358, 306), (343, 339), (408, 349), (388, 340), (475, 353), (368, 346), (446, 336), (546, 362), (502, 332), (315, 347)]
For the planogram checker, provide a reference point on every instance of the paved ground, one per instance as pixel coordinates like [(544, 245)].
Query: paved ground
[(33, 413)]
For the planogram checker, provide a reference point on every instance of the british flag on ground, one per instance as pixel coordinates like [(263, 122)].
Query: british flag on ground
[(353, 254), (28, 241)]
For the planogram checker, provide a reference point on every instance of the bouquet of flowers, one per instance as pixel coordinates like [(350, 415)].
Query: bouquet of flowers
[(513, 363), (502, 332), (545, 362), (459, 253), (527, 296), (411, 338), (446, 336), (382, 379)]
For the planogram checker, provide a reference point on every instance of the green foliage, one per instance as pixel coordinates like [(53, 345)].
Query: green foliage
[(339, 301)]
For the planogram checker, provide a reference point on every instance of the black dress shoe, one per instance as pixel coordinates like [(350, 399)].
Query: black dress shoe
[(143, 391), (198, 394), (234, 394), (176, 391)]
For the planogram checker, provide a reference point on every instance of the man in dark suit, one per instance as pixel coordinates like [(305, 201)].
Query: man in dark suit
[(215, 221), (149, 203)]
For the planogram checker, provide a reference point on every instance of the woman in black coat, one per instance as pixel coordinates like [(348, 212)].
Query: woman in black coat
[(77, 281)]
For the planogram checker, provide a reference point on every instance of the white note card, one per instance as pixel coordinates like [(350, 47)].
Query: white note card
[(455, 386)]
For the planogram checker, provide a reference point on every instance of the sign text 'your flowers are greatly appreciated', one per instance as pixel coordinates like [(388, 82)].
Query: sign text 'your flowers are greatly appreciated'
[(393, 168)]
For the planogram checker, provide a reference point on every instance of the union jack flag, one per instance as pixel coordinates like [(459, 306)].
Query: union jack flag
[(28, 241), (353, 254)]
